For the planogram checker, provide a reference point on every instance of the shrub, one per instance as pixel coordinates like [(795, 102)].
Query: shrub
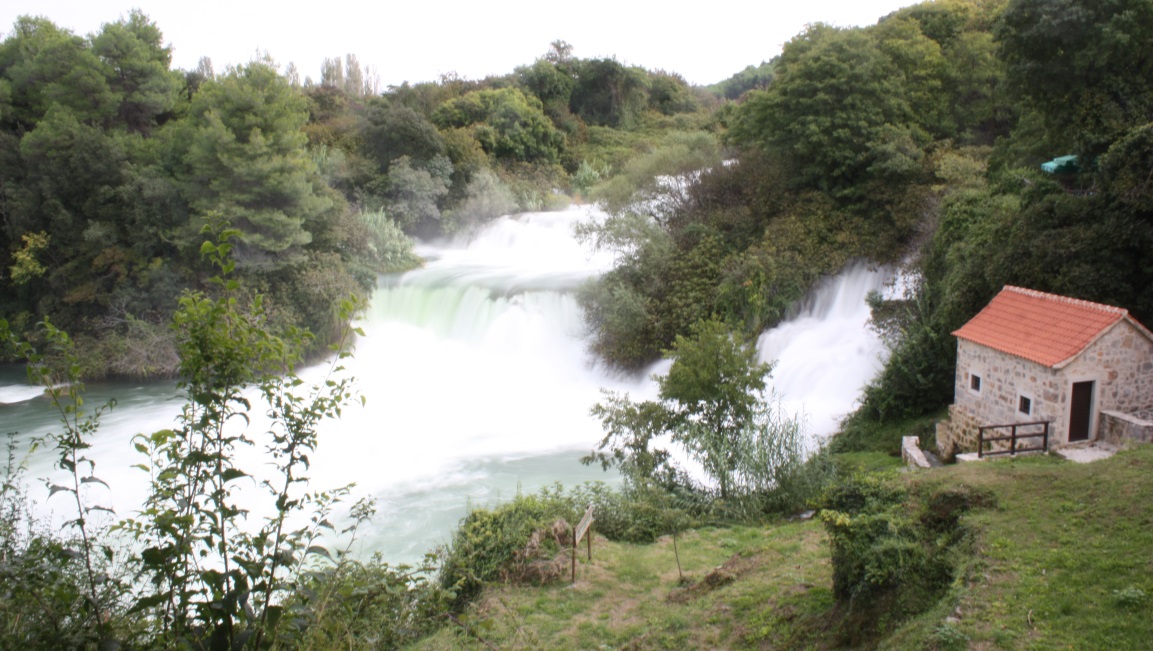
[(636, 514), (390, 249), (487, 542), (893, 554), (366, 605)]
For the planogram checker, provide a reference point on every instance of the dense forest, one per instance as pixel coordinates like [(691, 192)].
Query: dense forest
[(111, 163)]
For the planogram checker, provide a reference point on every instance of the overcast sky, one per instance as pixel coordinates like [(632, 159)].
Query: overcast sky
[(418, 40)]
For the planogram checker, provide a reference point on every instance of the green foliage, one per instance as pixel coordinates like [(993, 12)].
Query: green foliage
[(65, 578), (655, 183), (50, 67), (26, 264), (630, 429), (367, 605), (508, 124), (391, 249), (1083, 64), (210, 578), (550, 83), (118, 160), (635, 513), (892, 556), (486, 197), (487, 542), (834, 93), (669, 93), (204, 577), (711, 405), (608, 93), (244, 156), (414, 192), (587, 176), (392, 130), (751, 78), (136, 65), (711, 395), (1123, 170)]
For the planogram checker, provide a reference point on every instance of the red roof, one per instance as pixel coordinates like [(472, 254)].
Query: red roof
[(1043, 328)]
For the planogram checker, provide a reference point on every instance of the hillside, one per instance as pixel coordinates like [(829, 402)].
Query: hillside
[(1061, 561)]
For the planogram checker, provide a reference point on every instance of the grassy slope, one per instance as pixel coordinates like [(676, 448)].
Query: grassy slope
[(1061, 562)]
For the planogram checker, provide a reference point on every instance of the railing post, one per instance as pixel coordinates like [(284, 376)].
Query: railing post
[(1013, 442), (980, 442), (1046, 439)]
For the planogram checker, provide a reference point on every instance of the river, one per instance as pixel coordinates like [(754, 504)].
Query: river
[(477, 384)]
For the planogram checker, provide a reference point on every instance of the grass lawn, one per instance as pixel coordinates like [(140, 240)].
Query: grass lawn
[(1064, 560)]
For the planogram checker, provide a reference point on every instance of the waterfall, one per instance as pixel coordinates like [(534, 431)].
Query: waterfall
[(477, 384), (826, 353)]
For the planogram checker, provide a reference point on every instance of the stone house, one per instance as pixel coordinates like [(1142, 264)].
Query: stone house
[(1084, 368)]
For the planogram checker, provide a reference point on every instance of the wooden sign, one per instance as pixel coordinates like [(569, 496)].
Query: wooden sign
[(586, 523)]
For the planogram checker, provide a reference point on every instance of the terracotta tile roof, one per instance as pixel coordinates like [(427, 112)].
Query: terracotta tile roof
[(1044, 328)]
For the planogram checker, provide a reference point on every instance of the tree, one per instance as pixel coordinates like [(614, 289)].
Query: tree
[(547, 81), (834, 93), (245, 157), (414, 192), (214, 578), (392, 130), (709, 401), (50, 67), (608, 93), (137, 68), (711, 393), (1085, 65), (669, 93), (751, 78), (508, 124), (559, 52), (486, 197)]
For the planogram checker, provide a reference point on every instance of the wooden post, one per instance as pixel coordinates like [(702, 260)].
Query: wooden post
[(581, 529)]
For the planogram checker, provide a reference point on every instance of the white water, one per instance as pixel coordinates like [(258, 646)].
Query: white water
[(826, 353), (477, 384)]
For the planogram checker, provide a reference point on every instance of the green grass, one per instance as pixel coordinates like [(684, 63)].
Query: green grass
[(1063, 561), (860, 435), (849, 463)]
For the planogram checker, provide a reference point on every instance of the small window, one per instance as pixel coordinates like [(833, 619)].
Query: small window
[(1024, 405), (975, 383)]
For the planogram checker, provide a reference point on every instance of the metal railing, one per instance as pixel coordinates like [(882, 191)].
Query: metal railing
[(1013, 437)]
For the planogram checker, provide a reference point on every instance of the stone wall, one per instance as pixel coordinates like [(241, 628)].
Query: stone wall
[(1005, 379), (958, 434), (1122, 363), (1118, 428)]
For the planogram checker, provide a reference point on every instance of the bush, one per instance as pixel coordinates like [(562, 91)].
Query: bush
[(44, 590), (635, 514), (893, 553), (389, 248), (366, 605), (487, 542)]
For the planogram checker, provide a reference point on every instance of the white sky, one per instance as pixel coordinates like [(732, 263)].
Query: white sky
[(418, 40)]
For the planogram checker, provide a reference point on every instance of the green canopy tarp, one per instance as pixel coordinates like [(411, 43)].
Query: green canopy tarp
[(1061, 165)]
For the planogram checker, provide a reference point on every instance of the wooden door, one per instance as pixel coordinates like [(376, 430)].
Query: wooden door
[(1080, 411)]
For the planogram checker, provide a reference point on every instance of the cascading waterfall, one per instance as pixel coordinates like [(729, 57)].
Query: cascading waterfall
[(826, 353), (477, 384)]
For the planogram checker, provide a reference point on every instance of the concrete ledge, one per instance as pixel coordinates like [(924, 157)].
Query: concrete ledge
[(911, 453), (1095, 451)]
